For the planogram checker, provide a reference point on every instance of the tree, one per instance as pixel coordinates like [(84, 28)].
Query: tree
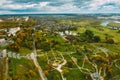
[(87, 36), (46, 72), (32, 73), (97, 39), (89, 33), (14, 47)]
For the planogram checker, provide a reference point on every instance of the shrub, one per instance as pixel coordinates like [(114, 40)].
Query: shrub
[(110, 41), (97, 39)]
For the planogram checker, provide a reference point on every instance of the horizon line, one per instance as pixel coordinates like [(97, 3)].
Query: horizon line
[(54, 13)]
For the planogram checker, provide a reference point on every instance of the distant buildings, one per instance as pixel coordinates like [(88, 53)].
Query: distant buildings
[(67, 33), (110, 17), (114, 28), (115, 25)]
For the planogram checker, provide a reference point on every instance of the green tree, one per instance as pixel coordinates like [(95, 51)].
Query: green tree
[(97, 39)]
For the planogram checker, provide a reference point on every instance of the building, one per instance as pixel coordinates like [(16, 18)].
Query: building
[(12, 31), (2, 40)]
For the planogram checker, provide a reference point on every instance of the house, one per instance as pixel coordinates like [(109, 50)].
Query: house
[(2, 40), (12, 31)]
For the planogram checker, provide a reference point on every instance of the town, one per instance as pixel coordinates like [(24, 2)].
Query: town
[(59, 48)]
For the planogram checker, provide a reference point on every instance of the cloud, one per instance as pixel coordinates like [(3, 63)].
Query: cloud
[(12, 6), (99, 4), (2, 2), (43, 4), (109, 8), (59, 6)]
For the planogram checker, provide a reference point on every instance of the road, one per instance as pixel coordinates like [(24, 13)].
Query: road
[(33, 57), (6, 72), (4, 54)]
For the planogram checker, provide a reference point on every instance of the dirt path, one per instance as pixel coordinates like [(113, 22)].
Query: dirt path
[(42, 75), (6, 72)]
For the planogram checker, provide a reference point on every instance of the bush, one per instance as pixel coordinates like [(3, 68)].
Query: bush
[(118, 31), (110, 41)]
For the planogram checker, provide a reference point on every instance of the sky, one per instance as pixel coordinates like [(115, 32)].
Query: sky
[(58, 6)]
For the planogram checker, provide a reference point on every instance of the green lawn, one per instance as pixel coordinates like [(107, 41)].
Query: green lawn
[(22, 69), (24, 51)]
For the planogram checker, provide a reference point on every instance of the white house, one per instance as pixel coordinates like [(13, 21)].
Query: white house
[(12, 31)]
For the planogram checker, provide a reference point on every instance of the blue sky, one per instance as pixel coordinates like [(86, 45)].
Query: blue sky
[(58, 6)]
